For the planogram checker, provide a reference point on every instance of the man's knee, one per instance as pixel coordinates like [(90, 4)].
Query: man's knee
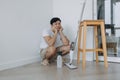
[(66, 49), (52, 50)]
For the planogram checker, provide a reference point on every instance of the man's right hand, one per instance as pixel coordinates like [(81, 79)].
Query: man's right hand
[(56, 31)]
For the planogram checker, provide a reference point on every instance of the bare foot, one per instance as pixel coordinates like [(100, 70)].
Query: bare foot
[(45, 62)]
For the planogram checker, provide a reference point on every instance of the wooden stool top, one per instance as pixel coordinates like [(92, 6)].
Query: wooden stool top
[(91, 22)]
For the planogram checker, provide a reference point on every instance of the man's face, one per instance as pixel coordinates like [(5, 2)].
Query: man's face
[(56, 25)]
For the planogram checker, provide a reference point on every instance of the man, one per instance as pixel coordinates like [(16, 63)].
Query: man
[(53, 40)]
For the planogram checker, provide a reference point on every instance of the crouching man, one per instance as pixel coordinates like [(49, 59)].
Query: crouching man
[(53, 40)]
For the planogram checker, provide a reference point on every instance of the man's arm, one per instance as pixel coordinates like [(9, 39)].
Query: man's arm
[(64, 38), (51, 40)]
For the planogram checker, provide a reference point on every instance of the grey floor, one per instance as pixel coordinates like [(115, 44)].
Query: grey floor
[(36, 71)]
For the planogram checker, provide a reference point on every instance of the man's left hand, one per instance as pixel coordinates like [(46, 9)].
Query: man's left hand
[(61, 29)]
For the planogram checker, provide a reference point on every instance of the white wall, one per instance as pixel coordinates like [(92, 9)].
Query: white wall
[(69, 11), (21, 22)]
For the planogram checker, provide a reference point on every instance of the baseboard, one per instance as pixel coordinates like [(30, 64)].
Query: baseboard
[(19, 63), (110, 59)]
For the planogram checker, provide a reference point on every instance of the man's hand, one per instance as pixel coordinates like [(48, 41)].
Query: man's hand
[(61, 29), (63, 37), (56, 31)]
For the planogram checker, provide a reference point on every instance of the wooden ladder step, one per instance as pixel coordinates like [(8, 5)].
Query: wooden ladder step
[(92, 50)]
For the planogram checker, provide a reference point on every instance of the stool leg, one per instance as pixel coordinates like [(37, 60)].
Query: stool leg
[(104, 44), (79, 44), (84, 45), (96, 42)]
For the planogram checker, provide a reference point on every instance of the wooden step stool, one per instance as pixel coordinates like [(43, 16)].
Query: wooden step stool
[(94, 23)]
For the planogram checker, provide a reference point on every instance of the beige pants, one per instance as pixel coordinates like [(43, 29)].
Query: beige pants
[(44, 50), (42, 53)]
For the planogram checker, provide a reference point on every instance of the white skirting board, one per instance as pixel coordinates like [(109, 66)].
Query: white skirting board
[(18, 63), (110, 59)]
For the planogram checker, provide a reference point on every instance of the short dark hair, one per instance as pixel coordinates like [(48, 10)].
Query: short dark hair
[(54, 19)]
